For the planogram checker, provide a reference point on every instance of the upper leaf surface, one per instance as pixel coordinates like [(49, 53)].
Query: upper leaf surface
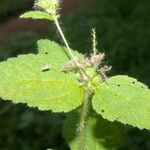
[(100, 134), (37, 15), (24, 80), (57, 55), (124, 99)]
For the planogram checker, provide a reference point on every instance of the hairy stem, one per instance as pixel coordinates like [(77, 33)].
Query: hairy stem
[(82, 121), (63, 37), (94, 41)]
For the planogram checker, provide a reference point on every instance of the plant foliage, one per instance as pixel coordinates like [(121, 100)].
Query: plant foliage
[(23, 79), (37, 15), (60, 79), (124, 99)]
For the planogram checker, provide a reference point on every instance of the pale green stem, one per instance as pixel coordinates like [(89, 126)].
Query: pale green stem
[(82, 121), (63, 37)]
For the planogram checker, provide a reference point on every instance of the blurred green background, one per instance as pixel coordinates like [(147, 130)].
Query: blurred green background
[(123, 32)]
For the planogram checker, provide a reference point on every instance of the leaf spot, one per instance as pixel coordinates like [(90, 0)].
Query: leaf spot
[(118, 118), (102, 110), (118, 85)]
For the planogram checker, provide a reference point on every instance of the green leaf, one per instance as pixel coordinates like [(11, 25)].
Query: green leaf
[(57, 55), (37, 81), (100, 133), (37, 15), (124, 99)]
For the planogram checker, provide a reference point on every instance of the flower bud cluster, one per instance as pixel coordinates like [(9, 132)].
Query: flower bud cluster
[(91, 71), (50, 6)]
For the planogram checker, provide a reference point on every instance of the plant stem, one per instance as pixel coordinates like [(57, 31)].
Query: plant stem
[(82, 121), (94, 41), (63, 37)]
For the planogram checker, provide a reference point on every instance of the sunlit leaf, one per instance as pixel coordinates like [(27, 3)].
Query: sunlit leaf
[(57, 55), (124, 99), (37, 15), (37, 81)]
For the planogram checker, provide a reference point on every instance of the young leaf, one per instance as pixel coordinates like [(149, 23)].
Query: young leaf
[(57, 55), (23, 80), (37, 15), (124, 99), (100, 133)]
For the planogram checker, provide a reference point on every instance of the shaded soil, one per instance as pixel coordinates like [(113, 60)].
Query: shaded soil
[(15, 26)]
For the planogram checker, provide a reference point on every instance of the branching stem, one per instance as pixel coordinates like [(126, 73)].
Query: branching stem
[(63, 37), (82, 121), (88, 92)]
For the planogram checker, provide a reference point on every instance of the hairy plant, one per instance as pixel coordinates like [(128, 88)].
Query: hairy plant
[(62, 80)]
